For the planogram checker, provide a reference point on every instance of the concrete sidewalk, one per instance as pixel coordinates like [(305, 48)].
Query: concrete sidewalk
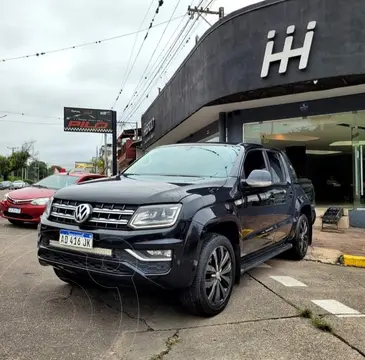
[(351, 241)]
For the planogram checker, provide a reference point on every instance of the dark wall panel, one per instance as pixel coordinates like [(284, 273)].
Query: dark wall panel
[(228, 58)]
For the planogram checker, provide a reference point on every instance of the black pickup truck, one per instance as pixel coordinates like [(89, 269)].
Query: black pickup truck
[(189, 217)]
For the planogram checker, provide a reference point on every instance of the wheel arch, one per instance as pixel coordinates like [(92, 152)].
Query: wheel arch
[(229, 229)]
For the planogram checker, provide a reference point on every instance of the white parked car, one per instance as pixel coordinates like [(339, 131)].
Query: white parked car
[(18, 184)]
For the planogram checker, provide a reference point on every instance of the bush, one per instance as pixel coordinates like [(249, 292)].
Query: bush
[(14, 178)]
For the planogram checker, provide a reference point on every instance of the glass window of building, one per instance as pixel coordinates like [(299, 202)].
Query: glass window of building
[(328, 149)]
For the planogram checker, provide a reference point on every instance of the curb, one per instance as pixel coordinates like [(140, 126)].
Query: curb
[(323, 255), (352, 260)]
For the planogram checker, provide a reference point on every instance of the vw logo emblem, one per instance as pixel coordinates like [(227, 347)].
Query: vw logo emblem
[(82, 213)]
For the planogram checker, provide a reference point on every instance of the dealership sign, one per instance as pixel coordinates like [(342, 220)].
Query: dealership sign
[(288, 52), (88, 120), (149, 127)]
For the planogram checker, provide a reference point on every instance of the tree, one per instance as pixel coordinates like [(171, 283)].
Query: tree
[(98, 163), (37, 170), (17, 160), (4, 167)]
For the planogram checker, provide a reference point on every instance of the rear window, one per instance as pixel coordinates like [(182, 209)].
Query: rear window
[(57, 182)]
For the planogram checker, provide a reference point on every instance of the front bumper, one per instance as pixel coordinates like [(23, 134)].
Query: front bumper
[(28, 213), (118, 260)]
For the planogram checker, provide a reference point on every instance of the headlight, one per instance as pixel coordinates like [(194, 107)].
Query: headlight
[(40, 201), (47, 210), (6, 196), (155, 216)]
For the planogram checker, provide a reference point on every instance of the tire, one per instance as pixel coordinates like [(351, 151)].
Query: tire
[(196, 298), (301, 239), (16, 222)]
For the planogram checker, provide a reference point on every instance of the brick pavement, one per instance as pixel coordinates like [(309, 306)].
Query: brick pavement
[(352, 241)]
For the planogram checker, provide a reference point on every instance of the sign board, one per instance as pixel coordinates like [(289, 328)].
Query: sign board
[(88, 120), (83, 165), (149, 127)]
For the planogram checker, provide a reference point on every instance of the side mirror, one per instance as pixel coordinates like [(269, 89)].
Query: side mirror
[(258, 179)]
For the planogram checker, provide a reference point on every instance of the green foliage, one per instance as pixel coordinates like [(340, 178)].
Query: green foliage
[(4, 166), (37, 170), (15, 166), (14, 178), (18, 160), (98, 163)]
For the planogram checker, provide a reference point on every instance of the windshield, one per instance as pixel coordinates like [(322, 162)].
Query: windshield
[(56, 182), (215, 161)]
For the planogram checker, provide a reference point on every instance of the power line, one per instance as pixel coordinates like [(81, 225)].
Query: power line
[(39, 116), (159, 64), (134, 45), (141, 99), (31, 115), (41, 53), (158, 43), (160, 3)]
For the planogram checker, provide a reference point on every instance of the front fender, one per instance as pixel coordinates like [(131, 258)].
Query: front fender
[(200, 225)]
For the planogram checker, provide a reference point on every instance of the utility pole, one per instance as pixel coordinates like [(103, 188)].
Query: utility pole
[(96, 160), (136, 130), (12, 148), (105, 155), (195, 10)]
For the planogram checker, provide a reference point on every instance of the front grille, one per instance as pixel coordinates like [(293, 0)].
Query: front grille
[(105, 216), (18, 202), (85, 263)]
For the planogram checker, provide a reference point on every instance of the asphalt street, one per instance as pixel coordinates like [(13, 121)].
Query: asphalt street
[(44, 318)]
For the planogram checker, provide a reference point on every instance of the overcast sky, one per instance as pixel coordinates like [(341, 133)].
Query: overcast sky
[(90, 76)]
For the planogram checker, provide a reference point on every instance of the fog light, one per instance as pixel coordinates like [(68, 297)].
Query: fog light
[(160, 253)]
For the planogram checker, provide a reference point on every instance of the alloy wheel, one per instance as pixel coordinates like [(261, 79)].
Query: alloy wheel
[(303, 237), (218, 276)]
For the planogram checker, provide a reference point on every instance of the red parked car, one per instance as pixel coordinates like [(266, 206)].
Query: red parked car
[(28, 204)]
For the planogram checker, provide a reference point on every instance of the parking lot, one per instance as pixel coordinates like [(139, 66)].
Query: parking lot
[(44, 318)]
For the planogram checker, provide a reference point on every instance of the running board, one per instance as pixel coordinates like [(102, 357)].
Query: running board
[(248, 264)]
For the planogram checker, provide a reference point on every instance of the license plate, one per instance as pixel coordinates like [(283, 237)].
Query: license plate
[(76, 239), (14, 210)]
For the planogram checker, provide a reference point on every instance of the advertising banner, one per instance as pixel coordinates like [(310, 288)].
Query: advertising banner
[(88, 120), (79, 165)]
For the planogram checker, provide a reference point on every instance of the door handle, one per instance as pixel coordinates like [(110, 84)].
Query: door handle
[(291, 194)]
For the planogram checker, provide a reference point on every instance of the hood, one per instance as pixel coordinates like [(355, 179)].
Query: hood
[(31, 193), (136, 191)]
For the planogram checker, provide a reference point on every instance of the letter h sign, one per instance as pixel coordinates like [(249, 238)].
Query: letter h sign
[(288, 52)]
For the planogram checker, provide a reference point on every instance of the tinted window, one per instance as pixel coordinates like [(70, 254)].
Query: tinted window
[(57, 182), (276, 167), (292, 172), (254, 161), (188, 160)]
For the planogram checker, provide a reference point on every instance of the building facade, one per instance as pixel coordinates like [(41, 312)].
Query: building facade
[(129, 142), (289, 74)]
